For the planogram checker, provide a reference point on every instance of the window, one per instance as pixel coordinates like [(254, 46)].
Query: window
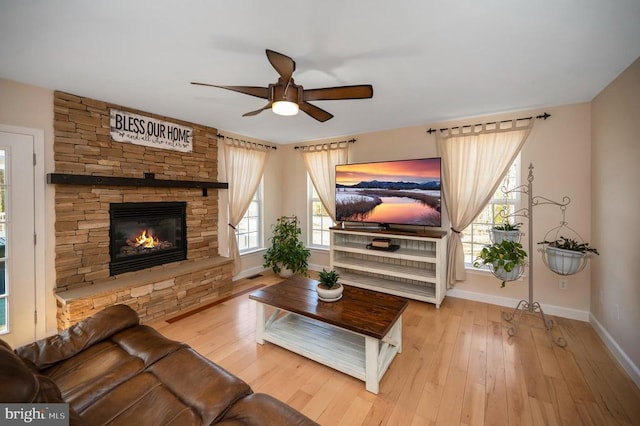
[(476, 235), (320, 221), (249, 230)]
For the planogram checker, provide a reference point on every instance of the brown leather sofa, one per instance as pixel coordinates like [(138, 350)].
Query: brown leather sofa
[(110, 369)]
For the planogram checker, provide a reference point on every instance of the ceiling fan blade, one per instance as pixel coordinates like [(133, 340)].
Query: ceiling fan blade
[(362, 91), (284, 65), (258, 111), (315, 112), (258, 92)]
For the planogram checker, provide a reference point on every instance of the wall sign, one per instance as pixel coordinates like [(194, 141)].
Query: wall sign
[(140, 130)]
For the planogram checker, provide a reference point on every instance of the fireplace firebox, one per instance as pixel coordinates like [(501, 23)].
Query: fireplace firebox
[(142, 235)]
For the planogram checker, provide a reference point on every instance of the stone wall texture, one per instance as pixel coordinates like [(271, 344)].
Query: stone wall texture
[(83, 146), (152, 295)]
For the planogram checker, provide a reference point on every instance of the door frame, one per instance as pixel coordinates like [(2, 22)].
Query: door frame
[(39, 223)]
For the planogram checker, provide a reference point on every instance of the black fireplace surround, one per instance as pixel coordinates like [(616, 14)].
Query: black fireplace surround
[(142, 235)]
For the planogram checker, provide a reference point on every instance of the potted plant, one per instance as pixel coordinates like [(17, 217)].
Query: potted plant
[(329, 289), (287, 254), (566, 256), (506, 259), (506, 231)]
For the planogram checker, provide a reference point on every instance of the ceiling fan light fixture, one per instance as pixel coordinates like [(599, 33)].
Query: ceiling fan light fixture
[(285, 108)]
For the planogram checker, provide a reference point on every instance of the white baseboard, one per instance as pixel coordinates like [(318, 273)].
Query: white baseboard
[(617, 351), (318, 268), (509, 302), (259, 269), (249, 272)]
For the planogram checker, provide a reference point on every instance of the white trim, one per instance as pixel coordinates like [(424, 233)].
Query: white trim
[(616, 350), (249, 272), (39, 223), (509, 302), (316, 267)]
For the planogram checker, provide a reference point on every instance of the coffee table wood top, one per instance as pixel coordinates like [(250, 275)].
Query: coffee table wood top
[(362, 311)]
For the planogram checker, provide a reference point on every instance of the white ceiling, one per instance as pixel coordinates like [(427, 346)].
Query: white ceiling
[(428, 60)]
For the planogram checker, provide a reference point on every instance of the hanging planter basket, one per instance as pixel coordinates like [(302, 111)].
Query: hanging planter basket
[(564, 251), (504, 275), (498, 236), (564, 262)]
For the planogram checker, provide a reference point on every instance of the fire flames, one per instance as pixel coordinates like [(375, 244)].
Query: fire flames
[(146, 240)]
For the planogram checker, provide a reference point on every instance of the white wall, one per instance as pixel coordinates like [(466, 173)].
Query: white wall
[(615, 291)]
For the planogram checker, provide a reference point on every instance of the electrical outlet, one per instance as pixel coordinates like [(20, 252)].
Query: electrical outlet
[(564, 284)]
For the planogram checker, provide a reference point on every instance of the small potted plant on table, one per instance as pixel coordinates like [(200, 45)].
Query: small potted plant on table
[(566, 256), (329, 289), (506, 259), (287, 254)]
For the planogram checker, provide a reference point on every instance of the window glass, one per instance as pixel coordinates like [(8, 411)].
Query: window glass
[(3, 244), (477, 235), (249, 230), (320, 221)]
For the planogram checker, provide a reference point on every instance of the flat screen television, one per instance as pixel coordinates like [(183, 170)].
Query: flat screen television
[(403, 192)]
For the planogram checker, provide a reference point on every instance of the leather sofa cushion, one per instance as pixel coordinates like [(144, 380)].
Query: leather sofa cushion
[(47, 352), (200, 383), (260, 409), (141, 400), (93, 373), (146, 343), (20, 383)]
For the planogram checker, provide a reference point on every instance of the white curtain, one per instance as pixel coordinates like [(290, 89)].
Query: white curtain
[(244, 166), (475, 159), (321, 161)]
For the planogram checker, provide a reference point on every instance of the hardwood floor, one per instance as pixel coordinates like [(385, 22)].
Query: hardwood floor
[(458, 367)]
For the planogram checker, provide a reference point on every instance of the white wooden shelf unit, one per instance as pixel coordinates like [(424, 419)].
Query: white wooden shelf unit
[(417, 270)]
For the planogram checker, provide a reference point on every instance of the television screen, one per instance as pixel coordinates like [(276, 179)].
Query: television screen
[(404, 192)]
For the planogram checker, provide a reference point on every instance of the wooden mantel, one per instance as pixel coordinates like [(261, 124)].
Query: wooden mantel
[(148, 181)]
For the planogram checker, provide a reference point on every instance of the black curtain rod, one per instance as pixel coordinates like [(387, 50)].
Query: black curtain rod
[(220, 136), (542, 116), (326, 143)]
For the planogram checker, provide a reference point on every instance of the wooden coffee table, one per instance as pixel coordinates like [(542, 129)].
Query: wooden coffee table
[(358, 335)]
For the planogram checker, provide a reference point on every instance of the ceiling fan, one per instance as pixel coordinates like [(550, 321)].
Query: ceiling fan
[(286, 98)]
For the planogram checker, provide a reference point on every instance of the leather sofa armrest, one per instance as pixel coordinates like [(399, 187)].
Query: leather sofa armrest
[(100, 326), (259, 409)]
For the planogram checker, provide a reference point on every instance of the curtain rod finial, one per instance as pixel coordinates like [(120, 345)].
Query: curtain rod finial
[(544, 116), (431, 130)]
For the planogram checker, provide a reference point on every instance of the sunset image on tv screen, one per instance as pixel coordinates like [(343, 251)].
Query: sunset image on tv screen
[(404, 192)]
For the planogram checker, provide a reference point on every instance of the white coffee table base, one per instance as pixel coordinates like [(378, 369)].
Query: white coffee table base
[(357, 355)]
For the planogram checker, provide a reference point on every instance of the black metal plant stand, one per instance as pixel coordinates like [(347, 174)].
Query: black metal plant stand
[(530, 306)]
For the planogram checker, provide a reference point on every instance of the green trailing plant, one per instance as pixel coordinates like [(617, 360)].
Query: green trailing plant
[(505, 254), (570, 244), (328, 279), (287, 249)]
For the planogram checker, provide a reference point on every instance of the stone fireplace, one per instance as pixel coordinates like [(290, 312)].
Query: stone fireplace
[(94, 173), (143, 235)]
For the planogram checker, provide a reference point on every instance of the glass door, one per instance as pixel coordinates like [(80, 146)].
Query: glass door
[(3, 244), (17, 238)]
